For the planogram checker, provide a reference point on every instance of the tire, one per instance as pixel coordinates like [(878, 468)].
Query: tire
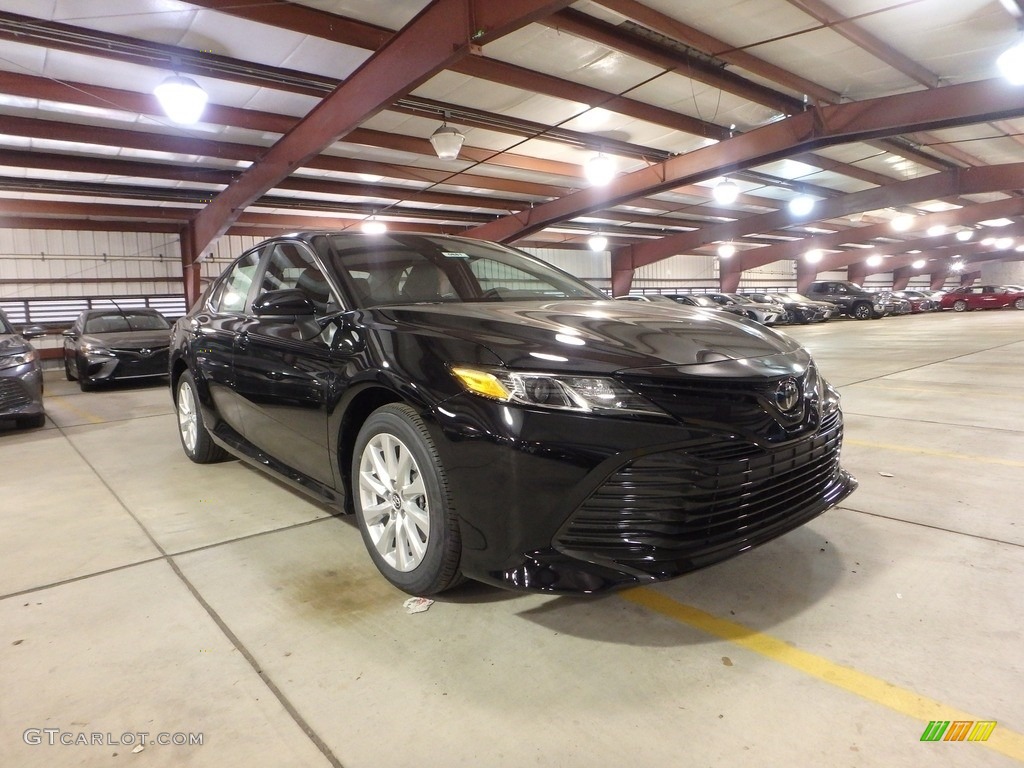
[(195, 439), (31, 422), (402, 502), (959, 305), (862, 311), (1019, 304)]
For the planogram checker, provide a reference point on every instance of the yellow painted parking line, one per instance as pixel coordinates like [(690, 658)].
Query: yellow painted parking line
[(938, 454), (873, 689), (66, 405)]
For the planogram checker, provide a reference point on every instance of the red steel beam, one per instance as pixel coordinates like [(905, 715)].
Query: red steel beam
[(441, 34), (758, 257), (945, 107)]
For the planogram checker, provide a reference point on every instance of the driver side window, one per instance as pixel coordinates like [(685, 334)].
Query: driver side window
[(292, 266)]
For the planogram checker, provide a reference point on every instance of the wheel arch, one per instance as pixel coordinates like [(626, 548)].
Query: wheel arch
[(356, 413)]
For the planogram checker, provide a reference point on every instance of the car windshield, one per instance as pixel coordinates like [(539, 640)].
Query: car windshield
[(407, 269), (704, 301), (120, 322), (740, 299), (5, 327), (796, 297)]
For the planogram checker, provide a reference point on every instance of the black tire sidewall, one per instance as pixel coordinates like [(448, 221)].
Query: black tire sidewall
[(436, 572)]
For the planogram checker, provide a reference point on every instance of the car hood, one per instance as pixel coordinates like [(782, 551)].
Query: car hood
[(606, 336), (129, 339), (13, 345)]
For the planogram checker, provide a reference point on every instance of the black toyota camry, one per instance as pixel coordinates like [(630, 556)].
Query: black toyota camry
[(486, 415)]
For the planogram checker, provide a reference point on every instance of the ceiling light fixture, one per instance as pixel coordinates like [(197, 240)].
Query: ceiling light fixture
[(813, 256), (726, 251), (919, 263), (957, 266), (181, 98), (597, 242), (902, 223), (600, 170), (1004, 243), (374, 227), (874, 260), (936, 230), (964, 235), (447, 141), (726, 192), (1011, 63), (801, 205)]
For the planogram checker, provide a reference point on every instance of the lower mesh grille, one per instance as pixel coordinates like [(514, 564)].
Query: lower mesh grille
[(687, 503), (12, 394)]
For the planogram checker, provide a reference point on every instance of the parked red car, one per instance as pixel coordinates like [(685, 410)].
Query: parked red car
[(982, 297)]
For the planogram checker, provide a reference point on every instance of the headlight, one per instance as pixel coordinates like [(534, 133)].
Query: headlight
[(586, 394), (22, 358), (96, 350)]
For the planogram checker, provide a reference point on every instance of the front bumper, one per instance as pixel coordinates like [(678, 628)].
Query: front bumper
[(124, 364), (558, 502), (21, 391)]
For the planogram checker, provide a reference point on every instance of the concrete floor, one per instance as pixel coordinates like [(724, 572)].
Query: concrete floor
[(142, 593)]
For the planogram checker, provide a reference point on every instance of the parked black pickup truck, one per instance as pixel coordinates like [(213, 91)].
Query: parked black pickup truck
[(851, 299)]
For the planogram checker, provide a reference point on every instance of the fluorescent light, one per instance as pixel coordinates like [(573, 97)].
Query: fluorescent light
[(726, 251), (597, 242), (964, 235), (600, 170), (1004, 243), (726, 192), (181, 98), (801, 205), (936, 230)]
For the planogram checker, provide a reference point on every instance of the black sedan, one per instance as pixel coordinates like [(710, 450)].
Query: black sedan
[(106, 345), (486, 415), (21, 376), (801, 312)]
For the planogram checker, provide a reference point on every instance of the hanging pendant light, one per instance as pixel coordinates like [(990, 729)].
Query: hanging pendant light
[(726, 192), (447, 142), (181, 98), (597, 242)]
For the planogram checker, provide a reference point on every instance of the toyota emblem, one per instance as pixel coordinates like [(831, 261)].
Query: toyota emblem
[(787, 395)]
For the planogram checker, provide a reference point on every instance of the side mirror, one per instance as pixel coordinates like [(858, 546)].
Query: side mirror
[(287, 302), (33, 331), (70, 333)]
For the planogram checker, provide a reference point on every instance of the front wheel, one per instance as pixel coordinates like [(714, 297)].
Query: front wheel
[(402, 502), (195, 439), (959, 305), (862, 311)]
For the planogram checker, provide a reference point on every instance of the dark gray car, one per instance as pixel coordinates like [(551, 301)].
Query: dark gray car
[(21, 376), (106, 345)]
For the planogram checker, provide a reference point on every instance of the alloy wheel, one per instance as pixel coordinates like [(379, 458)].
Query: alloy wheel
[(188, 422), (393, 501)]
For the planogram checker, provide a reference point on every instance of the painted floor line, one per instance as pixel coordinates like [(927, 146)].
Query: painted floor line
[(62, 402), (914, 705), (930, 452)]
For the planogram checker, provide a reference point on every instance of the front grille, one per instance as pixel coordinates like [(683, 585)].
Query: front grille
[(131, 362), (681, 509), (13, 394)]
